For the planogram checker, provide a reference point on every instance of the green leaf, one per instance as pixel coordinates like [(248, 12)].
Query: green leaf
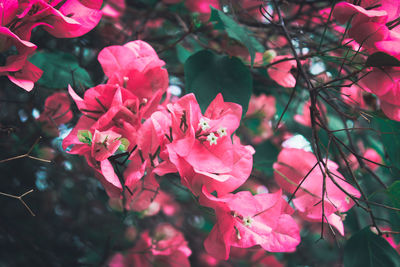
[(393, 192), (381, 59), (235, 31), (85, 136), (366, 249), (60, 69), (394, 195), (265, 156), (207, 74), (390, 136), (124, 144), (182, 53)]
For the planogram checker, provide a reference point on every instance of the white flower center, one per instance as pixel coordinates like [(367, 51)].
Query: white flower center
[(212, 139), (247, 221), (204, 124), (222, 131)]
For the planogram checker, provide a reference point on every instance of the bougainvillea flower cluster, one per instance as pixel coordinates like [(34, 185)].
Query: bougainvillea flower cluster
[(62, 19), (304, 178), (261, 108), (375, 27), (165, 247), (132, 115)]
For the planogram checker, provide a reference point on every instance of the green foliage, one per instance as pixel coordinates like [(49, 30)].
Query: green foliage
[(60, 69), (381, 59), (394, 195), (265, 156), (390, 135), (182, 53), (366, 249), (85, 136), (124, 144), (207, 74), (236, 31)]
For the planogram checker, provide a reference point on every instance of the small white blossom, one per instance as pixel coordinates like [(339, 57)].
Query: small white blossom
[(248, 221), (204, 124), (212, 139), (222, 131)]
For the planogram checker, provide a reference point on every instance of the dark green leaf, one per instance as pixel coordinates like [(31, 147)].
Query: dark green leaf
[(381, 59), (366, 249), (390, 135), (236, 31), (208, 74), (182, 53), (265, 156), (60, 69), (394, 195)]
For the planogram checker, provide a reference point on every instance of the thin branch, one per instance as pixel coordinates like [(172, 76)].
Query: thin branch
[(27, 154), (20, 199)]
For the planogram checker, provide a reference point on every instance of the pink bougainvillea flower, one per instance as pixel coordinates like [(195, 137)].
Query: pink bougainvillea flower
[(200, 147), (165, 247), (202, 6), (105, 107), (305, 118), (290, 173), (149, 140), (116, 117), (227, 182), (261, 107), (392, 111), (353, 162), (353, 96), (26, 77), (373, 156), (97, 147), (136, 67), (56, 111), (114, 8), (104, 144), (111, 114), (63, 19), (162, 202), (75, 18), (17, 67), (142, 194), (384, 83), (344, 11), (280, 72), (244, 220), (8, 9), (388, 237), (369, 23), (111, 106)]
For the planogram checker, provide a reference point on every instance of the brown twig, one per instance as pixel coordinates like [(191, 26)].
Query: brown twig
[(27, 154), (20, 199)]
